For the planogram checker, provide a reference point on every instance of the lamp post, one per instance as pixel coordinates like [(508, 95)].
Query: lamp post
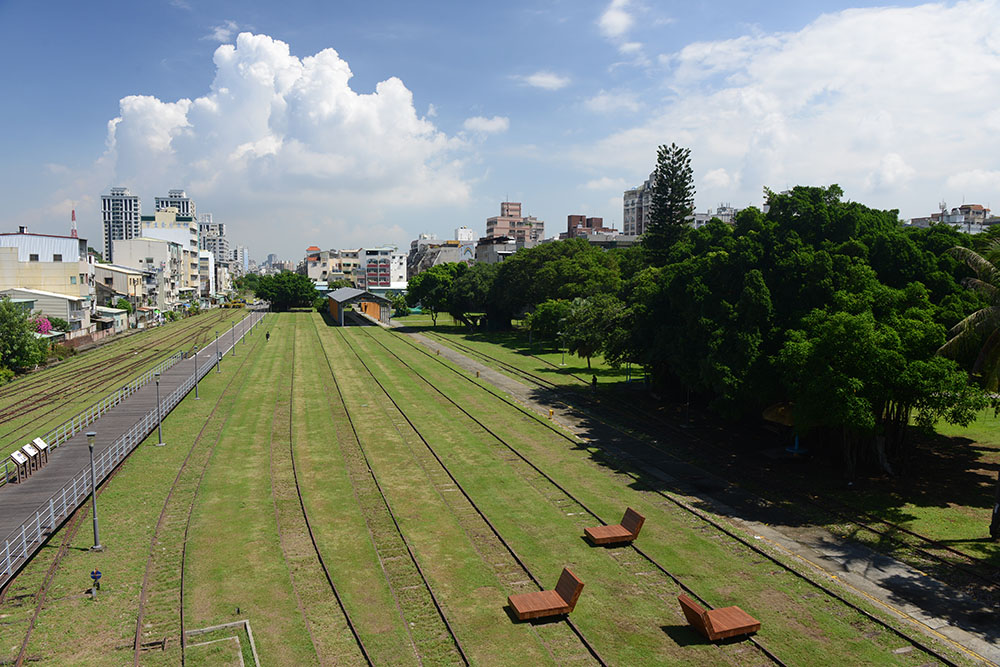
[(159, 420), (91, 435), (196, 373), (218, 357), (233, 330)]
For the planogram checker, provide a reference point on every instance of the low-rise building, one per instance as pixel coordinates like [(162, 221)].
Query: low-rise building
[(115, 282), (46, 262), (73, 308), (510, 223), (164, 261)]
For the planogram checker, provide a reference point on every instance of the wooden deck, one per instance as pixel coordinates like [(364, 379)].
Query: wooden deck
[(18, 502)]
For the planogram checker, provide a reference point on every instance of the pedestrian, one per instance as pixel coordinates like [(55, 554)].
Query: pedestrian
[(267, 337), (593, 384)]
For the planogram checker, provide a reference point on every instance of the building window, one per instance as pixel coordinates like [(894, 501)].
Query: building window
[(32, 257), (72, 280), (56, 258)]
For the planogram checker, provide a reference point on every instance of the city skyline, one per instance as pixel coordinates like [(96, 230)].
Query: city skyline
[(365, 126)]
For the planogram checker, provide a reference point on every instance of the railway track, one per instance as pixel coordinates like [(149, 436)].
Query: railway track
[(926, 553), (627, 462), (299, 555), (402, 571), (161, 601)]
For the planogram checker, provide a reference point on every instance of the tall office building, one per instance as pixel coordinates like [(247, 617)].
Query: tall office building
[(176, 199), (121, 218)]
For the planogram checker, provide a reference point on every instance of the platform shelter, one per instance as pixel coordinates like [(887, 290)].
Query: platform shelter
[(374, 306)]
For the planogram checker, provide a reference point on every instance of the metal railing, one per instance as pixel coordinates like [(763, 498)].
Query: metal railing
[(89, 415), (19, 545)]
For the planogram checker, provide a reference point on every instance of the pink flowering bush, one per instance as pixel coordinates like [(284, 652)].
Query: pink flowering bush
[(42, 324)]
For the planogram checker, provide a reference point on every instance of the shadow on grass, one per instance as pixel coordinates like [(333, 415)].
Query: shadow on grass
[(683, 635)]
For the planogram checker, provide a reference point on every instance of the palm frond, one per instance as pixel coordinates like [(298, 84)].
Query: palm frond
[(991, 292), (983, 267)]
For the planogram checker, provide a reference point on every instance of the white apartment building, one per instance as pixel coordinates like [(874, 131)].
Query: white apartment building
[(47, 262), (165, 260), (206, 269), (176, 199), (168, 225), (637, 204), (121, 213), (464, 233), (381, 269)]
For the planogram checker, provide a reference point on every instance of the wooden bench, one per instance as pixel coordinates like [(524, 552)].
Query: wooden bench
[(718, 623), (548, 603), (626, 531)]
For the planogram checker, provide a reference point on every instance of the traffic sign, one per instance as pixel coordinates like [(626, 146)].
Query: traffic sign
[(95, 575)]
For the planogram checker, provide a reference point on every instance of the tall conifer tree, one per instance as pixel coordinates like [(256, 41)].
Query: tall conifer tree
[(673, 201)]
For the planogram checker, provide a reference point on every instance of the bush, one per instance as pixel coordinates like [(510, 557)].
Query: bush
[(6, 375), (60, 351), (320, 304), (59, 324)]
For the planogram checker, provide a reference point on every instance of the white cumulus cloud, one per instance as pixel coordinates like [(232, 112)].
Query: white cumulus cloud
[(546, 80), (487, 125), (279, 139), (223, 32), (606, 183), (616, 20), (884, 101), (612, 101)]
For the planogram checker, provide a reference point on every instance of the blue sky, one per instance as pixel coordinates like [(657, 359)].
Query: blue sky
[(347, 124)]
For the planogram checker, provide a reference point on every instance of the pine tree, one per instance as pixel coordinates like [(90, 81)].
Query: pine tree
[(673, 201)]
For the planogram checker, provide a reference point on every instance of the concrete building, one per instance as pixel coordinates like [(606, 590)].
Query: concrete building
[(212, 237), (580, 226), (111, 320), (381, 269), (166, 263), (240, 260), (968, 218), (725, 213), (75, 309), (465, 234), (168, 225), (177, 199), (115, 282), (637, 203), (510, 223), (496, 249), (47, 262), (121, 213), (440, 252), (206, 271)]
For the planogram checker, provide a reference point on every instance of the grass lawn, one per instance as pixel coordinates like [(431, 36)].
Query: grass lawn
[(374, 491)]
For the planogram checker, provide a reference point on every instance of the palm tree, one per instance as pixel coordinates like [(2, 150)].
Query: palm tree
[(982, 325), (982, 328)]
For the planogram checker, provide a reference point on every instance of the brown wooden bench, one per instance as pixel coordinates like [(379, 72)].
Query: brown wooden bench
[(626, 531), (548, 603), (718, 623)]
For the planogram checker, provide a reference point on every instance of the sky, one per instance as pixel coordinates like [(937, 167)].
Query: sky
[(361, 124)]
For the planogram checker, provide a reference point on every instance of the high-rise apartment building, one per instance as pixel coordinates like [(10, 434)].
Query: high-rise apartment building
[(637, 205), (512, 224), (121, 218), (212, 237), (176, 199)]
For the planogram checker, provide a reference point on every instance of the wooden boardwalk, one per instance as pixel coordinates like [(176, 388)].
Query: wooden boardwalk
[(21, 501)]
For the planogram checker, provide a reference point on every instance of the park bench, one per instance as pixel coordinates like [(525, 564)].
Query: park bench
[(33, 457), (626, 531), (718, 623), (43, 450), (548, 603), (21, 465)]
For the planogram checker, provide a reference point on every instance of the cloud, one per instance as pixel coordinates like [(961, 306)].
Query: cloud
[(223, 32), (612, 101), (882, 101), (606, 183), (279, 140), (616, 21), (487, 125), (545, 80)]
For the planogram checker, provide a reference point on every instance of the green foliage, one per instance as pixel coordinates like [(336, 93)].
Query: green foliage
[(672, 201), (124, 304), (59, 324), (431, 290), (590, 323), (285, 290), (172, 315), (398, 301), (320, 303), (470, 291), (19, 349), (547, 320), (248, 282), (6, 375)]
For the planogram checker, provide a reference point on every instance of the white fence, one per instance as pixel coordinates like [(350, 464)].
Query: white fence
[(22, 542)]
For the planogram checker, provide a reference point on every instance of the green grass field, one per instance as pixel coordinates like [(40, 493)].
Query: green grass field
[(407, 500)]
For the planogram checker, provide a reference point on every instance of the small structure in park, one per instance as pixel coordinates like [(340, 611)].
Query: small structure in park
[(374, 306), (624, 532), (542, 604), (718, 623)]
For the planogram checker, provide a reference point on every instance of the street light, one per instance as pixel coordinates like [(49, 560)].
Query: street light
[(233, 330), (159, 420), (196, 373), (218, 357), (91, 435)]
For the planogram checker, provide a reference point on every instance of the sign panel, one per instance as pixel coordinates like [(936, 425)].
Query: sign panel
[(19, 458), (41, 444), (30, 450)]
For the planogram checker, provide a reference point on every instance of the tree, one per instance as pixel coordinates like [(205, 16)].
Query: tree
[(470, 291), (58, 323), (587, 327), (431, 290), (286, 290), (19, 349), (124, 304), (981, 329), (548, 319), (398, 301), (672, 202)]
